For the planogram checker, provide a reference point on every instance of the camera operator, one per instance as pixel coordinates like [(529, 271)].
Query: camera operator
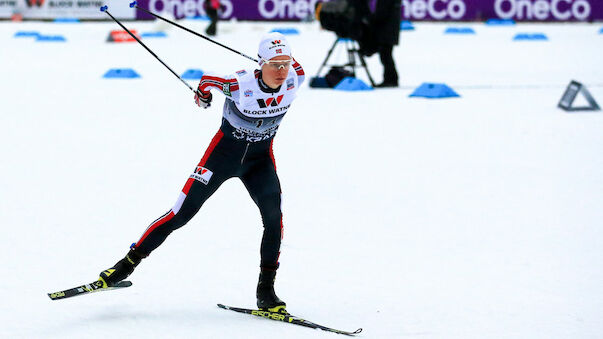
[(385, 22)]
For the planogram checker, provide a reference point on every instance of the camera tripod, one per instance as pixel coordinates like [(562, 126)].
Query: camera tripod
[(353, 54)]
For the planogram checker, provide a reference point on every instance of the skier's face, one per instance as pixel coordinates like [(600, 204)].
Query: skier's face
[(275, 70)]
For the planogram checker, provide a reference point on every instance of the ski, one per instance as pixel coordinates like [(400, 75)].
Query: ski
[(85, 289), (287, 318)]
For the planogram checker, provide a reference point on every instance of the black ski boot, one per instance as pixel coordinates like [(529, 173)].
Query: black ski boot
[(267, 299), (121, 270)]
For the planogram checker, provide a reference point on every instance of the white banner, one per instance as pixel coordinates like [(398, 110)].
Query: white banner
[(7, 8), (52, 9)]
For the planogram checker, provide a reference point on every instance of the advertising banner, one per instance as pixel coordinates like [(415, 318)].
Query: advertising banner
[(298, 10), (51, 9), (518, 10), (414, 10), (272, 10), (7, 8)]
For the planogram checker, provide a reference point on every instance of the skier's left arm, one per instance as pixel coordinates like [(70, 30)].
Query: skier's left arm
[(299, 71)]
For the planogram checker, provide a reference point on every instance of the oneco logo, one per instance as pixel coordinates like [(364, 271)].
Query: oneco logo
[(282, 9), (187, 8), (542, 9), (436, 9)]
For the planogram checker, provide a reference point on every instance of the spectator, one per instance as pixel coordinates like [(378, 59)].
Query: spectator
[(211, 8)]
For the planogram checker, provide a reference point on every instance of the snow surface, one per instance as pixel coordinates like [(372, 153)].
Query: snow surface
[(475, 217)]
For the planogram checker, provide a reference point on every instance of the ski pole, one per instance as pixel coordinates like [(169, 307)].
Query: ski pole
[(134, 4), (104, 9)]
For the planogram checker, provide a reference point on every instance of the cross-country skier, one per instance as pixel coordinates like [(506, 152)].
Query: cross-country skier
[(256, 102)]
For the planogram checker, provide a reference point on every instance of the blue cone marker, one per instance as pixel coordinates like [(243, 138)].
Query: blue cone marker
[(104, 8), (133, 4)]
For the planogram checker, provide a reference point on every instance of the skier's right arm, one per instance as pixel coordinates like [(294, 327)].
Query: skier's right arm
[(228, 85)]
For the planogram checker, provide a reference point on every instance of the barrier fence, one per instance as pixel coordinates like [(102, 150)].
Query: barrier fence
[(297, 10)]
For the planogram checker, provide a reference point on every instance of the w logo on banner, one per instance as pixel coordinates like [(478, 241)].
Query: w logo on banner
[(276, 42), (270, 101), (31, 3)]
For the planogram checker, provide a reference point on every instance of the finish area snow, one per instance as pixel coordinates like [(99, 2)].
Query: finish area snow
[(470, 217)]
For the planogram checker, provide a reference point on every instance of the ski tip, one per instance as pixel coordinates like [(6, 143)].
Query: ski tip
[(132, 4), (124, 283), (351, 334)]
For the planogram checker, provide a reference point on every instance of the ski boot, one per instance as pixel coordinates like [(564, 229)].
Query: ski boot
[(121, 270), (267, 299)]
